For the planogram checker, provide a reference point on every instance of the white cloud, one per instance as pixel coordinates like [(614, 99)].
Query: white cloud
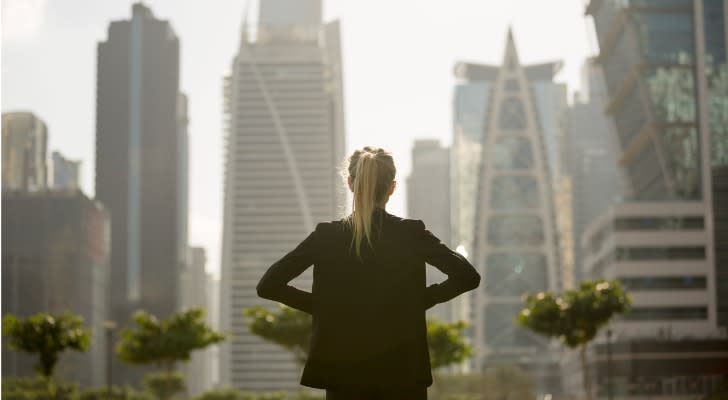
[(21, 19)]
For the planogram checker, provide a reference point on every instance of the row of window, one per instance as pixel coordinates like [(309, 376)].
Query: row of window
[(664, 283), (666, 313), (623, 224)]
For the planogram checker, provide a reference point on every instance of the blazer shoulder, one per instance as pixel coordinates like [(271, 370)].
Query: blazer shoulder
[(330, 226), (413, 224)]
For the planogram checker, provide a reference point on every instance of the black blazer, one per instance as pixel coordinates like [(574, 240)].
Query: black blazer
[(369, 325)]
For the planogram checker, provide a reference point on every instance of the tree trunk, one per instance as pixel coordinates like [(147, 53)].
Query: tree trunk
[(585, 373), (170, 372)]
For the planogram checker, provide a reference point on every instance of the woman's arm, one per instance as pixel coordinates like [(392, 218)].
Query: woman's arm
[(274, 283), (461, 275)]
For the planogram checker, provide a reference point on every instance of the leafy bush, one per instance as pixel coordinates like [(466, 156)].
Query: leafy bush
[(164, 385), (37, 388), (235, 394), (117, 393), (227, 393)]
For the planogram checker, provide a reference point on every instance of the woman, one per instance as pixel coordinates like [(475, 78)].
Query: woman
[(368, 302)]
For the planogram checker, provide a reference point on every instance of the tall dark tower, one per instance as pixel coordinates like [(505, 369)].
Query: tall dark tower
[(141, 165)]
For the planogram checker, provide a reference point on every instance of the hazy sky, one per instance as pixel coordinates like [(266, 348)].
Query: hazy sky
[(397, 55)]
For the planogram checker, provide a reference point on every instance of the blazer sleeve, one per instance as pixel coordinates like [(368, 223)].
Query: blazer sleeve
[(461, 275), (274, 285)]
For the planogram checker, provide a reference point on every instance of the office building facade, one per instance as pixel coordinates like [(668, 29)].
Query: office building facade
[(592, 158), (66, 173), (25, 151), (428, 199), (55, 258), (661, 62), (195, 291), (141, 171), (284, 142)]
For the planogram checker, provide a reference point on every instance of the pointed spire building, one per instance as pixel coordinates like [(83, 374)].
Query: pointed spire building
[(514, 237)]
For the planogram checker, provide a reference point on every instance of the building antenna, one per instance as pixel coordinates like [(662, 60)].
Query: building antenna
[(244, 28)]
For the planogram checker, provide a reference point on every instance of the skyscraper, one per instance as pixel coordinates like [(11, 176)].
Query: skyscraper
[(195, 291), (65, 172), (24, 143), (592, 157), (515, 244), (284, 141), (141, 171), (471, 102), (664, 65), (55, 258), (428, 199)]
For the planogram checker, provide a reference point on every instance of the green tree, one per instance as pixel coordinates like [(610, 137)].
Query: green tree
[(575, 316), (47, 335), (291, 329), (166, 342), (288, 328), (446, 342)]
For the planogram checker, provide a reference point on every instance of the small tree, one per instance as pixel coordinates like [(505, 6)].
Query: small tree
[(446, 343), (47, 335), (575, 316), (291, 329), (166, 342), (288, 328)]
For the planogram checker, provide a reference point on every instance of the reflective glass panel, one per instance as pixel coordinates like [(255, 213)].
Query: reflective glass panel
[(512, 115), (515, 230), (512, 192), (513, 274), (512, 152), (501, 331)]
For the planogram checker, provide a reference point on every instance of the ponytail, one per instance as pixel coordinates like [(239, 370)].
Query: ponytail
[(372, 171)]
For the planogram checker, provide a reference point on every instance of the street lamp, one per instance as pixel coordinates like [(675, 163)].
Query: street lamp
[(109, 326), (609, 364)]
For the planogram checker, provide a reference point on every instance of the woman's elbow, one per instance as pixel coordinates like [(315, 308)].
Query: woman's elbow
[(473, 281), (264, 290)]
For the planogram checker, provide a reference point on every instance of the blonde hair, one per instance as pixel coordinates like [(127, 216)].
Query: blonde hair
[(372, 171)]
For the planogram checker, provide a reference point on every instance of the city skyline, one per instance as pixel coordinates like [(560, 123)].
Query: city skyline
[(417, 75)]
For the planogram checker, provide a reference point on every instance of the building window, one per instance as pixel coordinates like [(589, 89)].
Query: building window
[(513, 274), (660, 253), (664, 283), (512, 115), (500, 331), (513, 192), (658, 223), (666, 313), (666, 37), (515, 230), (512, 152)]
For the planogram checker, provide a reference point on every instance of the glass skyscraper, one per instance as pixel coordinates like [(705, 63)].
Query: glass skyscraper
[(507, 138), (284, 142)]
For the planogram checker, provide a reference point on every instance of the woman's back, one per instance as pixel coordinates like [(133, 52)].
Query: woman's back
[(369, 311), (369, 297)]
